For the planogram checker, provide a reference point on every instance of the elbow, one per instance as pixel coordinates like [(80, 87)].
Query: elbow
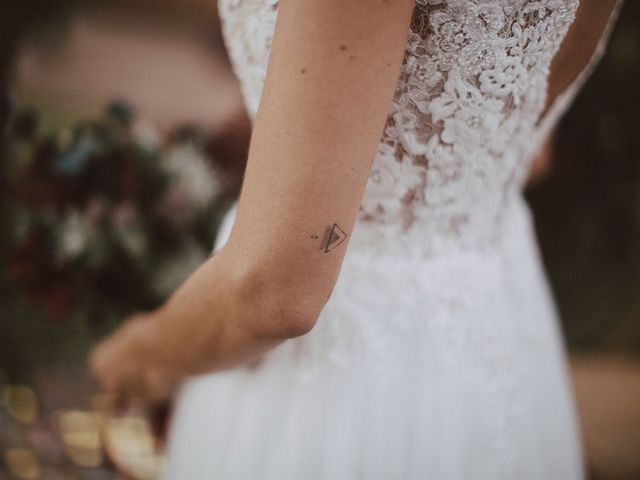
[(292, 318), (284, 314), (277, 306)]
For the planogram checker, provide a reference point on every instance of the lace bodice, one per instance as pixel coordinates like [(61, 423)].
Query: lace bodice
[(466, 118), (438, 354)]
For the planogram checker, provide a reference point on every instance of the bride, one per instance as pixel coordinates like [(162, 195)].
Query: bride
[(376, 306)]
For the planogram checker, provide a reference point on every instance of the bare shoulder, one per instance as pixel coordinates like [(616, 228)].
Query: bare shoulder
[(580, 43)]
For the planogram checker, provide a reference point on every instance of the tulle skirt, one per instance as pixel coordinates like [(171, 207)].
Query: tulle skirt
[(442, 368)]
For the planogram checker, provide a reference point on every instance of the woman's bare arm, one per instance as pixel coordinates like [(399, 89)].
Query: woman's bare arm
[(330, 80)]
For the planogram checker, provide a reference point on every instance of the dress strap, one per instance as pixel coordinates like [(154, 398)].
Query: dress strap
[(563, 101)]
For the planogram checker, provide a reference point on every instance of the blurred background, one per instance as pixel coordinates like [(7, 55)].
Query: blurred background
[(124, 142)]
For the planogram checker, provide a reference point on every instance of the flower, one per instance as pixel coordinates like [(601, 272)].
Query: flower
[(73, 236), (461, 127), (423, 70), (192, 174), (146, 136), (390, 180), (458, 94), (504, 79)]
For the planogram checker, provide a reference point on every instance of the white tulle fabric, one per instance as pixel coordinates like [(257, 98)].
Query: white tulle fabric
[(439, 354)]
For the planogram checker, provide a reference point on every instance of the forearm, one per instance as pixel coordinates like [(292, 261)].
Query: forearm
[(228, 312), (333, 67), (332, 71), (234, 308)]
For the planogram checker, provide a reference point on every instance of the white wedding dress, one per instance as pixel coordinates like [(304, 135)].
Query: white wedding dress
[(439, 355)]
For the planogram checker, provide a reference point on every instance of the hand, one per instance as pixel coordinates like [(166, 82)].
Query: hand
[(123, 366)]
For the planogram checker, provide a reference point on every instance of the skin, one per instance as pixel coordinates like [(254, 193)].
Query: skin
[(330, 80), (579, 44), (574, 55)]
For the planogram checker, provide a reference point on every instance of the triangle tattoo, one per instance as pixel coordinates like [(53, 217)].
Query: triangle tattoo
[(333, 237)]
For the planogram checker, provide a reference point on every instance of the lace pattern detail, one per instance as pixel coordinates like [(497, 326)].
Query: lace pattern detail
[(442, 271), (459, 134), (472, 87), (443, 250)]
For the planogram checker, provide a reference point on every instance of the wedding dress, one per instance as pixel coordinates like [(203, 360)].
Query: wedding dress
[(439, 355)]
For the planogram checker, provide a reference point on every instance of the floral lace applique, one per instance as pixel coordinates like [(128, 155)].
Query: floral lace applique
[(461, 128), (471, 89)]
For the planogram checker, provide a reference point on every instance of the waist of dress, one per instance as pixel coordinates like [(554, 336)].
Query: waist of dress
[(488, 236), (465, 273), (436, 239)]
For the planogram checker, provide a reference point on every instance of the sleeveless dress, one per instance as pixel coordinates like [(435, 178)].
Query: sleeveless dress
[(439, 355)]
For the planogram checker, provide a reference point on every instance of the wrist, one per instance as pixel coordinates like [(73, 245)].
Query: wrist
[(157, 371)]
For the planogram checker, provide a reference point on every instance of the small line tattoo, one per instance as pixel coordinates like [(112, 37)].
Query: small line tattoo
[(333, 236)]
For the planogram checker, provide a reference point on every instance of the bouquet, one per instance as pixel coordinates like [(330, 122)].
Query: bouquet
[(109, 216)]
